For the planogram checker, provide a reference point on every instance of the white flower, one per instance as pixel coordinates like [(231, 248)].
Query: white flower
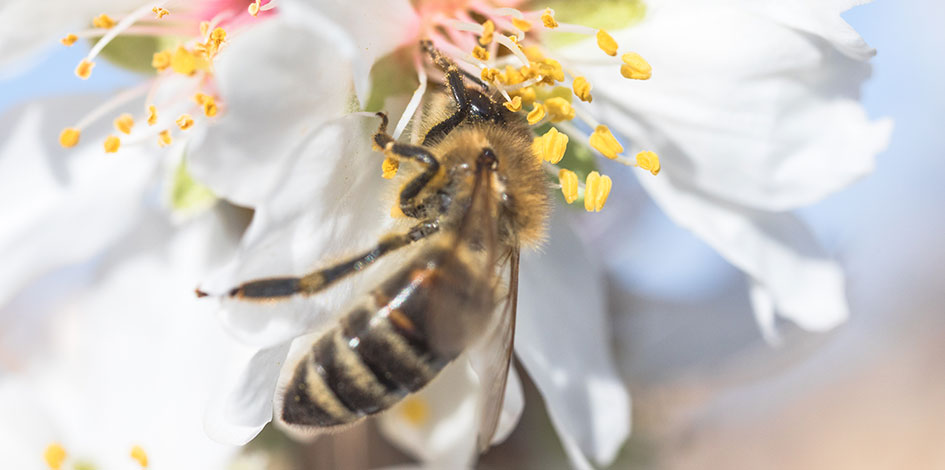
[(731, 111), (118, 353), (753, 109), (314, 181)]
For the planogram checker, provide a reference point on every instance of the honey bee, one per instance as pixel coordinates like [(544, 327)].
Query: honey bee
[(476, 194)]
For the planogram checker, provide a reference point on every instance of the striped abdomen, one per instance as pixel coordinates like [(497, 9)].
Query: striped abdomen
[(391, 345)]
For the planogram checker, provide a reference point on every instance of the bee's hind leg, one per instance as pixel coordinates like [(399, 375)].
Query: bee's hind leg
[(314, 282)]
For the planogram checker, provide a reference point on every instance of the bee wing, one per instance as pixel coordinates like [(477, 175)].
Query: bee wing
[(492, 357)]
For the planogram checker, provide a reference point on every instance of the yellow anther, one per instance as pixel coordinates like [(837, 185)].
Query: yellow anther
[(489, 74), (514, 39), (389, 168), (152, 115), (206, 102), (548, 18), (596, 190), (512, 76), (569, 185), (84, 70), (551, 146), (649, 161), (488, 28), (103, 21), (605, 142), (635, 67), (161, 60), (528, 95), (54, 455), (582, 89), (69, 40), (160, 12), (185, 122), (533, 53), (559, 109), (138, 454), (124, 123), (69, 137), (530, 71), (218, 35), (204, 28), (521, 24), (164, 138), (536, 114), (254, 8), (111, 144), (186, 62), (550, 70), (514, 105), (480, 53), (415, 410), (210, 108), (606, 43)]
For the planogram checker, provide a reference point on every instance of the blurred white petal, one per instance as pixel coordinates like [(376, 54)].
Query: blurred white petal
[(49, 193), (513, 404), (133, 355), (242, 405), (821, 18), (27, 25), (764, 115), (775, 249), (438, 424), (562, 338), (362, 34), (276, 95), (332, 206)]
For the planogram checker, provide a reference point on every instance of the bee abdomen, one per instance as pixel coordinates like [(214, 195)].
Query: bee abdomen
[(387, 353), (360, 369)]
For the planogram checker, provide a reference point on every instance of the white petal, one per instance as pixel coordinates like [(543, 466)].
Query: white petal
[(243, 404), (512, 407), (275, 95), (763, 305), (25, 428), (329, 206), (775, 249), (563, 339), (438, 424), (28, 25), (362, 34), (820, 17), (739, 105), (130, 358), (48, 192)]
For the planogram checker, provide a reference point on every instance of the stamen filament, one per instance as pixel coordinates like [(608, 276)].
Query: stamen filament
[(122, 25), (576, 28), (110, 105), (414, 102)]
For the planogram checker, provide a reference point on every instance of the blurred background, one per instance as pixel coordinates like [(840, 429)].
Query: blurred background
[(708, 391)]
